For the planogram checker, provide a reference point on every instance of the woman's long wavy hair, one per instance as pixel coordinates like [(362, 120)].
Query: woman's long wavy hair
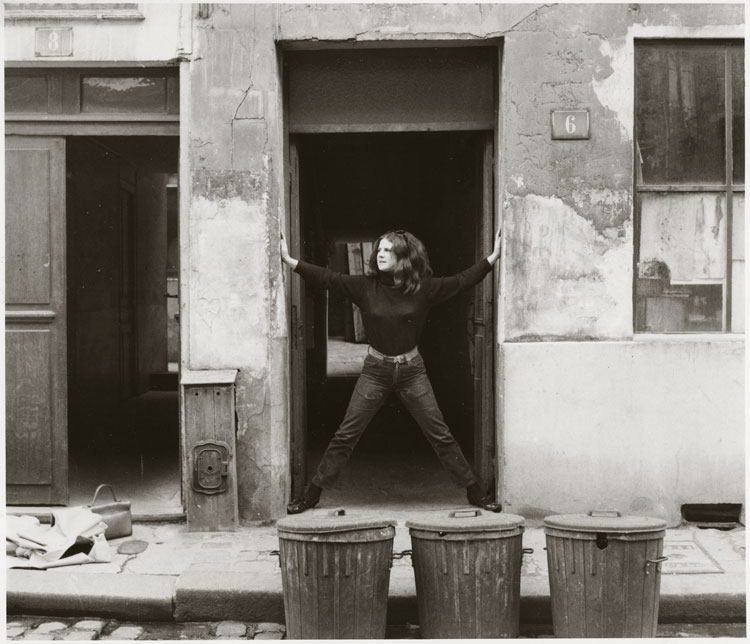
[(412, 263)]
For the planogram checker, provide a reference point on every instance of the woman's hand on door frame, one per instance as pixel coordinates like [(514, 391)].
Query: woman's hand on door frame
[(494, 256), (285, 256)]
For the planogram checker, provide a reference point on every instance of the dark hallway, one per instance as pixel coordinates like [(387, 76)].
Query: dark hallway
[(123, 344), (353, 187)]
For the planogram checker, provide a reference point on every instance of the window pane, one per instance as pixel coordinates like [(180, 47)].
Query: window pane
[(687, 232), (738, 264), (738, 114), (26, 94), (123, 94), (680, 114), (680, 283)]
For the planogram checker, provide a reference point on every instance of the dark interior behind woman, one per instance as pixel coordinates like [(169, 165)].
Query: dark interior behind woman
[(394, 300)]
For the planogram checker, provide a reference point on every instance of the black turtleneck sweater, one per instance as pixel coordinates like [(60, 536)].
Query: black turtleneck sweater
[(393, 320)]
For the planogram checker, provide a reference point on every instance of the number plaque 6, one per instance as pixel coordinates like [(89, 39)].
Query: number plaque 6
[(570, 124)]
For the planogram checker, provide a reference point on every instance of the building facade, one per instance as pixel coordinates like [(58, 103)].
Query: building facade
[(601, 366)]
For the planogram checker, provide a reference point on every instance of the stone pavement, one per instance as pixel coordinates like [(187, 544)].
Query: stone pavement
[(62, 629), (209, 577)]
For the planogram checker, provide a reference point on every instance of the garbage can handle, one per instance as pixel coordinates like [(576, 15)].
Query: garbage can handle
[(401, 555), (462, 514), (340, 512), (658, 561), (527, 551), (605, 513)]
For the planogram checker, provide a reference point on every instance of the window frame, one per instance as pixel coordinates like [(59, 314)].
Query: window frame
[(729, 188)]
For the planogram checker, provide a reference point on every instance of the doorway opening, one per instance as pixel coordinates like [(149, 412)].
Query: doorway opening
[(352, 188), (122, 319)]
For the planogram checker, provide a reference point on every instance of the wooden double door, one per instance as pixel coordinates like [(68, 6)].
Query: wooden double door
[(469, 203)]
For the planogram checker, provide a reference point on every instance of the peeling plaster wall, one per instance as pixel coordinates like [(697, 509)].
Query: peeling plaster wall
[(566, 208), (567, 205), (235, 302), (642, 426)]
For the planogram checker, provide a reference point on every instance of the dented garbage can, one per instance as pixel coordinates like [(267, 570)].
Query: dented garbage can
[(335, 570), (604, 573), (467, 571)]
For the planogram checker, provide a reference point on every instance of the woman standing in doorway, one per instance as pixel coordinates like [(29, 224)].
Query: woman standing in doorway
[(394, 301)]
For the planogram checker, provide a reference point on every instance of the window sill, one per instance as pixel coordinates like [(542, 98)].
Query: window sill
[(689, 337)]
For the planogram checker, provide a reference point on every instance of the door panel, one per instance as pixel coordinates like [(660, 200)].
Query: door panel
[(297, 334), (35, 316), (482, 329)]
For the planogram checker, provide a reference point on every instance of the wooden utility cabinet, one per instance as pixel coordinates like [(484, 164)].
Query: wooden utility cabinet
[(210, 463)]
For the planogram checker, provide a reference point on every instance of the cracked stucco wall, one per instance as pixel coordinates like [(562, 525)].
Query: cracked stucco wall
[(566, 208), (236, 305)]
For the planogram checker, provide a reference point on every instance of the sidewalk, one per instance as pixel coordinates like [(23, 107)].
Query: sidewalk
[(182, 576)]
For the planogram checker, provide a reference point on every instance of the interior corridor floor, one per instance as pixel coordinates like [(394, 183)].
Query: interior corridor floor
[(413, 481), (151, 484), (142, 463)]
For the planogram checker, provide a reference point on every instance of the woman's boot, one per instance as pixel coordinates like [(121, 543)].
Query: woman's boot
[(476, 497), (309, 499)]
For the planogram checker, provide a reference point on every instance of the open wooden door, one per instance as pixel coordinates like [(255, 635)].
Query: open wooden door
[(298, 382), (35, 318), (482, 327)]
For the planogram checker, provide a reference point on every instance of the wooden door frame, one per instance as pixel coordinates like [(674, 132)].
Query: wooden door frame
[(297, 343), (484, 326), (484, 321)]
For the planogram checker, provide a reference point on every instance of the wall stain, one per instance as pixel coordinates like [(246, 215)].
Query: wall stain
[(227, 184)]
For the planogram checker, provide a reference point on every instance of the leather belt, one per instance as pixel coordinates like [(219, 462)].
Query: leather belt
[(402, 357)]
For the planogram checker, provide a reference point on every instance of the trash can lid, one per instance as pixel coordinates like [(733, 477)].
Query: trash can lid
[(465, 520), (604, 521), (333, 521)]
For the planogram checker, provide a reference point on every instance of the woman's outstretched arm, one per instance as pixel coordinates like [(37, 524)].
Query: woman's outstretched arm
[(440, 289), (351, 286)]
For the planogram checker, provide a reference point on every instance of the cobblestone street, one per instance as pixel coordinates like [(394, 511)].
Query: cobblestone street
[(71, 629)]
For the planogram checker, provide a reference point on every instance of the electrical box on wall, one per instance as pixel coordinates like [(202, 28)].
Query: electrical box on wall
[(210, 450)]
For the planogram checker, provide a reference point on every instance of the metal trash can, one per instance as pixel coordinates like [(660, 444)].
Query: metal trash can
[(604, 573), (467, 569), (335, 571)]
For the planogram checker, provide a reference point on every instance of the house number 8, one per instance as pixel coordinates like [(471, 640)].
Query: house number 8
[(53, 43)]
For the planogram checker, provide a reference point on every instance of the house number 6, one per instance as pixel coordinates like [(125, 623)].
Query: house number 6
[(570, 124)]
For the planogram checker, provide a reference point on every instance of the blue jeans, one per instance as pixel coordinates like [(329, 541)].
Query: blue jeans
[(408, 380)]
